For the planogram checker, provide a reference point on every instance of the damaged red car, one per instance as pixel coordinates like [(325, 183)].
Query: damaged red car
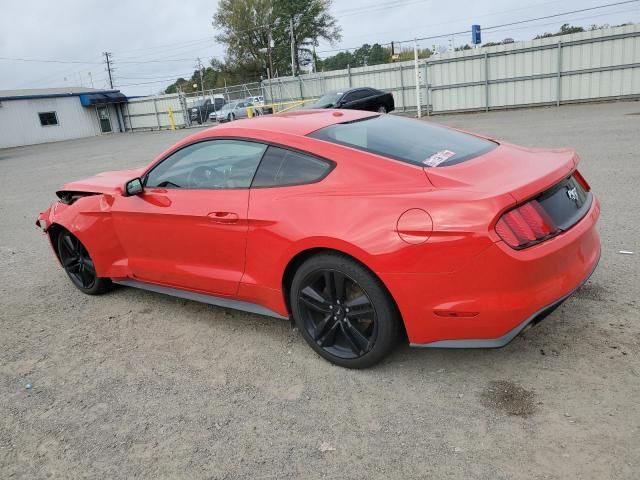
[(361, 228)]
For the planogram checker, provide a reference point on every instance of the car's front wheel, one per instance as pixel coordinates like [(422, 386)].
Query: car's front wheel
[(382, 109), (343, 311), (79, 265)]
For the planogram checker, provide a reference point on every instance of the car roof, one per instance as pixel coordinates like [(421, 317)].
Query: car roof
[(301, 122)]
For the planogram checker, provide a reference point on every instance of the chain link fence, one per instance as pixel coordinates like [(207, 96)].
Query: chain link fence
[(590, 66), (176, 110)]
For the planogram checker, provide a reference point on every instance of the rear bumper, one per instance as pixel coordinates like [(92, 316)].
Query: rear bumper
[(507, 337), (499, 292)]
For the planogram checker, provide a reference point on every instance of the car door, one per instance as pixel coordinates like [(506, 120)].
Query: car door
[(242, 110), (372, 100), (188, 229), (204, 110), (208, 109), (354, 100)]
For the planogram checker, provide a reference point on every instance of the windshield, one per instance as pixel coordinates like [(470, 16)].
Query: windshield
[(412, 141), (328, 99)]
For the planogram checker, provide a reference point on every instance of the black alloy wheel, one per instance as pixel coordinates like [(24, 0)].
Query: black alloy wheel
[(343, 311), (79, 266)]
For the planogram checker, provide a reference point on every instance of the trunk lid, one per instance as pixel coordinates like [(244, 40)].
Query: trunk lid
[(519, 171)]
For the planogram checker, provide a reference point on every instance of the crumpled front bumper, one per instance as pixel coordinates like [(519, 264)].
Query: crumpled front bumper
[(44, 219)]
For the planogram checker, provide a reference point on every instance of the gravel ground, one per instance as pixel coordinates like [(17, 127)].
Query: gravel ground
[(136, 384)]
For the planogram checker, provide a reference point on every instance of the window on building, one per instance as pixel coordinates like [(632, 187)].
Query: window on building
[(48, 118)]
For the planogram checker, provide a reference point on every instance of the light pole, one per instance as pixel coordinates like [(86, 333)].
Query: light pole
[(270, 67)]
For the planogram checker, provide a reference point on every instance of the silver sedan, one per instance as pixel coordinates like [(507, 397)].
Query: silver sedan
[(234, 110)]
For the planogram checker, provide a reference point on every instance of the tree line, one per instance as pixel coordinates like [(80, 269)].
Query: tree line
[(257, 35)]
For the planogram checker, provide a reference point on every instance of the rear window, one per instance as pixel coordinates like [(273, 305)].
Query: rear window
[(280, 167), (411, 141)]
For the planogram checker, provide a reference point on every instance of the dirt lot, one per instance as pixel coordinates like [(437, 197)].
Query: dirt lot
[(136, 384)]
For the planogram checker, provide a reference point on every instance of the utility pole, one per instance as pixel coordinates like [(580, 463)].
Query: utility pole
[(200, 68), (417, 71), (107, 59), (270, 69), (293, 48), (270, 46), (313, 63)]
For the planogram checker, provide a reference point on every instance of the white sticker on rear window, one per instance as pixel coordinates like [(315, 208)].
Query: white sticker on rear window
[(438, 157)]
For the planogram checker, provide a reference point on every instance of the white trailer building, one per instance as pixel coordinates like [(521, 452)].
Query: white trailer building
[(45, 115)]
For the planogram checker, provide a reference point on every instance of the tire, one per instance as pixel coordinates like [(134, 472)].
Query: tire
[(382, 109), (232, 117), (343, 311), (79, 266)]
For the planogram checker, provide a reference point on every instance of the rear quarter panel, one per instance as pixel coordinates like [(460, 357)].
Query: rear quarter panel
[(355, 210)]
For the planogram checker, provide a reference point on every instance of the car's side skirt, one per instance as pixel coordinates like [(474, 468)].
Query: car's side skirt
[(203, 298)]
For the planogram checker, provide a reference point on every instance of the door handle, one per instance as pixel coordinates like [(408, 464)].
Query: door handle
[(223, 217)]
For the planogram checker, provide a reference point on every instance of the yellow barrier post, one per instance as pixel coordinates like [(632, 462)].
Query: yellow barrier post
[(171, 120), (250, 112)]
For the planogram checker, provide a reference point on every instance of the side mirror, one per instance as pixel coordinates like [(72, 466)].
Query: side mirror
[(133, 187)]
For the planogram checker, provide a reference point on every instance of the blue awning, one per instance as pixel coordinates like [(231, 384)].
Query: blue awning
[(89, 99)]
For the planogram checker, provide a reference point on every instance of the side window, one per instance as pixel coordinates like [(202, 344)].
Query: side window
[(356, 95), (213, 164), (281, 167)]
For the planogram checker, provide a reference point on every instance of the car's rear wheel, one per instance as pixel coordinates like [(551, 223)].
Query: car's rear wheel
[(79, 265), (343, 311), (382, 109)]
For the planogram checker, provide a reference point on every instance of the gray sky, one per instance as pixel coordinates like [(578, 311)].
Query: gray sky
[(152, 41)]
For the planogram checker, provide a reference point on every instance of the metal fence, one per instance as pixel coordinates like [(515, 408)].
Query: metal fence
[(153, 113), (589, 66)]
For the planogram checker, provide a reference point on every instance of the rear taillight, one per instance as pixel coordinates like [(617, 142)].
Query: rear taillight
[(526, 225), (580, 179)]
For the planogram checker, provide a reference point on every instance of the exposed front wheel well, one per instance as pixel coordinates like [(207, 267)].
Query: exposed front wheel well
[(301, 257), (53, 232)]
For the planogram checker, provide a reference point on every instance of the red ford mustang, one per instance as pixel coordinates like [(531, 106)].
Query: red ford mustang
[(360, 227)]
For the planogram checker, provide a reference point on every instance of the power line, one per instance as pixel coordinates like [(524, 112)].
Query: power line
[(464, 32), (107, 61), (174, 44), (468, 19), (47, 61), (529, 20), (379, 7), (555, 23), (166, 77), (163, 60)]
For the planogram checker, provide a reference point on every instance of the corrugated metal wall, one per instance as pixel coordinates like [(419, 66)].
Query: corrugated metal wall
[(20, 123), (595, 65)]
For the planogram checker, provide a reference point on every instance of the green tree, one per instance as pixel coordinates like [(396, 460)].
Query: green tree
[(246, 26), (565, 29), (378, 55), (338, 61)]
